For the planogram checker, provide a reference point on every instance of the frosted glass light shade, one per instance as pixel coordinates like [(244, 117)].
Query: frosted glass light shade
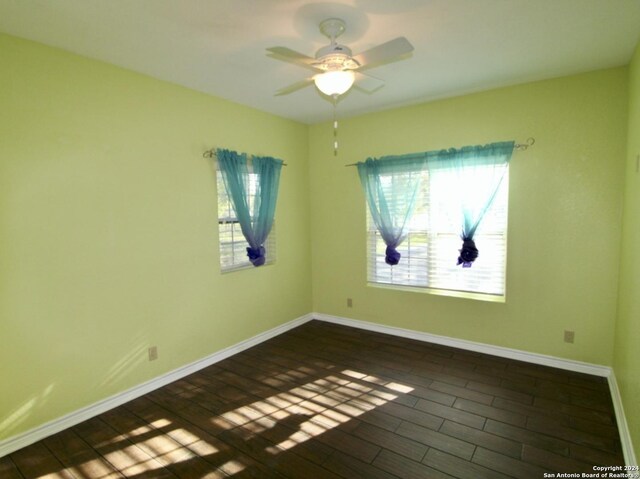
[(334, 82)]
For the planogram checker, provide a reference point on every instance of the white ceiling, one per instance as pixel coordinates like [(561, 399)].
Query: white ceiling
[(218, 46)]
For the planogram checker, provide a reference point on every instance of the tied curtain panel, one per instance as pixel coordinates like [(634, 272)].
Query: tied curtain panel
[(479, 171), (391, 189), (391, 183), (255, 208)]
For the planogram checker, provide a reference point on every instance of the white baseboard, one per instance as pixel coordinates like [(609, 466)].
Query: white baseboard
[(623, 427), (544, 360), (19, 441)]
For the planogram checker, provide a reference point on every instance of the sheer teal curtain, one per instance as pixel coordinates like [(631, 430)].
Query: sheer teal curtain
[(255, 208), (391, 188), (479, 171), (391, 183)]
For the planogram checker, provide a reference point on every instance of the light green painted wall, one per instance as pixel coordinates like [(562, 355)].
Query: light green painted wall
[(564, 214), (627, 353), (108, 231)]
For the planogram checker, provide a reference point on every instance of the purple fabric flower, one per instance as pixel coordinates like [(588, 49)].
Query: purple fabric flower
[(468, 253), (256, 255), (392, 256)]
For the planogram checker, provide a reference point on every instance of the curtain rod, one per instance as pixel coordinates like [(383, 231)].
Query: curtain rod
[(518, 146), (212, 153)]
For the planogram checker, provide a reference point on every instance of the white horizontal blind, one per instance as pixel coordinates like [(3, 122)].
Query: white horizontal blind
[(412, 268), (233, 245), (430, 251)]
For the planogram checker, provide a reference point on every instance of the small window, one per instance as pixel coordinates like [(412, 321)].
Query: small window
[(233, 245), (430, 251)]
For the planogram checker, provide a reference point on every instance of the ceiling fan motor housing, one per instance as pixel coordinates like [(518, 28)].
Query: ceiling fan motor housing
[(335, 57)]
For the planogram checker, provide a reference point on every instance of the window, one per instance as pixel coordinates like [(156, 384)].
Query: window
[(430, 251), (233, 245)]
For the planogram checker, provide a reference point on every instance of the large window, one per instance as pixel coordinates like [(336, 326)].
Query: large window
[(233, 245), (430, 251)]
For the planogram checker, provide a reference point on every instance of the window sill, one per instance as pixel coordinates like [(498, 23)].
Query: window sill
[(492, 298), (242, 267)]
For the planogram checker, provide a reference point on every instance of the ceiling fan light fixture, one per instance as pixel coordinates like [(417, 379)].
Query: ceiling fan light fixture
[(334, 82)]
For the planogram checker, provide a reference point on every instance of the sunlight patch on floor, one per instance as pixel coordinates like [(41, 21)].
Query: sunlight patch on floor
[(286, 420), (232, 467), (347, 400)]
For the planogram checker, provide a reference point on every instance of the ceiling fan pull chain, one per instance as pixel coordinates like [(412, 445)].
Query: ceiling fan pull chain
[(335, 125)]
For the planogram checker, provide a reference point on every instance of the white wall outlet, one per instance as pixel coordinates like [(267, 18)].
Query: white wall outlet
[(153, 353)]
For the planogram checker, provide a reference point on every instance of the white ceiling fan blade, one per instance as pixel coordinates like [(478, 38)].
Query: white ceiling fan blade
[(385, 53), (295, 86), (367, 83), (291, 56)]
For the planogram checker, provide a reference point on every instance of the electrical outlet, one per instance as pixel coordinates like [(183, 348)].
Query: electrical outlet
[(153, 353), (569, 336), (349, 303)]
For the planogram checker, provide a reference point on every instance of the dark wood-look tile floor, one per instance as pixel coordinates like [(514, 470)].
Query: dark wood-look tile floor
[(327, 401)]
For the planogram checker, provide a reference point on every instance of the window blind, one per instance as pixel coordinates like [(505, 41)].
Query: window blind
[(430, 251)]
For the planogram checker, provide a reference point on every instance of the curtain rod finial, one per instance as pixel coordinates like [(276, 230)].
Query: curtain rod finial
[(523, 146)]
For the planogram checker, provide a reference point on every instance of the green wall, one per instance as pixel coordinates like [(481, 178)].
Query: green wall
[(627, 353), (108, 231), (564, 214)]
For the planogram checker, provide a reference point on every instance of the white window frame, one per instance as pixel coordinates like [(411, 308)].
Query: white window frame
[(232, 245), (422, 269)]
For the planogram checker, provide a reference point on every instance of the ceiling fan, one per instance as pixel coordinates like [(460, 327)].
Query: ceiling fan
[(336, 68)]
